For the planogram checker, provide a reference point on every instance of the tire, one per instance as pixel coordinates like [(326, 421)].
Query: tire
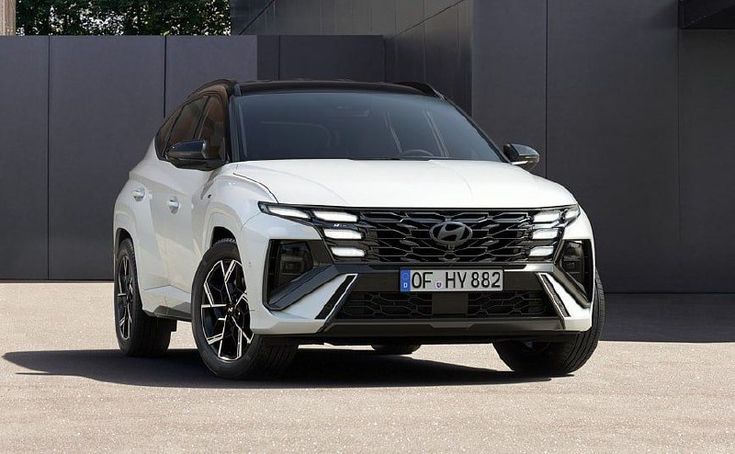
[(138, 334), (220, 320), (557, 358), (395, 349)]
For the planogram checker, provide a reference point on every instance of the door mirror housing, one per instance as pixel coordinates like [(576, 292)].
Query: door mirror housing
[(193, 154), (522, 156)]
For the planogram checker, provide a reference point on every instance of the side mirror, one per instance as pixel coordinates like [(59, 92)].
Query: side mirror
[(193, 154), (521, 155)]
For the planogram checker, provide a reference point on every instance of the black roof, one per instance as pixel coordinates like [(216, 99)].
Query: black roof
[(238, 89)]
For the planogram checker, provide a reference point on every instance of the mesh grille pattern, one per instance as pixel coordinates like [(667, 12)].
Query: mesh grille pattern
[(404, 236), (403, 306)]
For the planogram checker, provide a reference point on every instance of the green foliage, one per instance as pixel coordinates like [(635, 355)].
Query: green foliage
[(123, 17)]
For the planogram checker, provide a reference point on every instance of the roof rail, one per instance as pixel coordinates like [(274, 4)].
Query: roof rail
[(229, 84), (423, 88)]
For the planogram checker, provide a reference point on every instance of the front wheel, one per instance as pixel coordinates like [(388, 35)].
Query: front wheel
[(556, 358), (220, 320)]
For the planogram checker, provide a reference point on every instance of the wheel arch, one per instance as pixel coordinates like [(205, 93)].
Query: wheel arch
[(220, 233), (220, 225), (124, 228)]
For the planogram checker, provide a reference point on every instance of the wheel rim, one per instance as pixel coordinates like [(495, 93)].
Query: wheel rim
[(124, 297), (224, 310)]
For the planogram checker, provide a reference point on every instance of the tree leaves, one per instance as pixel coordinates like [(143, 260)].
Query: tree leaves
[(123, 17)]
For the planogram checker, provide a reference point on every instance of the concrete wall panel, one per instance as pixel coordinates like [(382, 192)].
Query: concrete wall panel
[(612, 132), (707, 159), (23, 155), (509, 72), (332, 57), (195, 60), (106, 102), (441, 42)]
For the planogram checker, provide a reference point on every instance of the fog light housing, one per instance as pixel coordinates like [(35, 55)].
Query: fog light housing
[(287, 261), (576, 261)]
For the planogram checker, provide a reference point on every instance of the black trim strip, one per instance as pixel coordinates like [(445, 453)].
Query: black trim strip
[(556, 302), (344, 288), (570, 286), (301, 287), (454, 328)]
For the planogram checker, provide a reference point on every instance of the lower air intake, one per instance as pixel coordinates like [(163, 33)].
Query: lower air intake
[(481, 305)]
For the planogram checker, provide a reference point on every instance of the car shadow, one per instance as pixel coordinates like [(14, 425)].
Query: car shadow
[(670, 318), (312, 368)]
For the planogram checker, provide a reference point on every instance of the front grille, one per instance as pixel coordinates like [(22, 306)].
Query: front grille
[(404, 236), (416, 306)]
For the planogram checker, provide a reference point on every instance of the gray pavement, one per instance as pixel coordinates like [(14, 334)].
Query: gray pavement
[(663, 380)]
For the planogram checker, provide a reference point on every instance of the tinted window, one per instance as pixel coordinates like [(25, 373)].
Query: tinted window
[(313, 124), (213, 127), (162, 136), (187, 122)]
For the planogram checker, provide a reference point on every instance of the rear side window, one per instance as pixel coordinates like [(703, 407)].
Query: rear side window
[(213, 127), (186, 124)]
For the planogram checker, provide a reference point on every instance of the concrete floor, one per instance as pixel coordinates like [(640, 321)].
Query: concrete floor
[(664, 380)]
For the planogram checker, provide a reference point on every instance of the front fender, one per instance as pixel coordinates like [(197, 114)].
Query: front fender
[(228, 203)]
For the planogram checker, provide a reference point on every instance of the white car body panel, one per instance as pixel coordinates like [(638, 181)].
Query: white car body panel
[(405, 184)]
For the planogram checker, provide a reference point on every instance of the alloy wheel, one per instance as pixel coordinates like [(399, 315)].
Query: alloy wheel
[(124, 297), (225, 315)]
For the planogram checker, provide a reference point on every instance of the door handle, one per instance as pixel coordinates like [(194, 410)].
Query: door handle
[(173, 204), (138, 194)]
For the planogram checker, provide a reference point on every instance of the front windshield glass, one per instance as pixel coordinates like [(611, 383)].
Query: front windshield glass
[(352, 124)]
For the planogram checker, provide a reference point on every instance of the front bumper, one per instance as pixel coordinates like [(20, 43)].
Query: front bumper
[(312, 309)]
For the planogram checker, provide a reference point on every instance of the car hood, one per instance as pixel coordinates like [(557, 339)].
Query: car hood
[(405, 184)]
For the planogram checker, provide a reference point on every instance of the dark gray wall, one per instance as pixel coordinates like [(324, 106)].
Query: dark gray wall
[(433, 44), (509, 72), (707, 159), (318, 17), (428, 39), (321, 57), (23, 155), (103, 112), (192, 61), (79, 112), (612, 131)]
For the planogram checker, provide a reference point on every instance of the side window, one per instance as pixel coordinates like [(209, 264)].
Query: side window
[(213, 127), (162, 136), (186, 124)]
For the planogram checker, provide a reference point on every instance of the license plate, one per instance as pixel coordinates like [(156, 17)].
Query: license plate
[(451, 280)]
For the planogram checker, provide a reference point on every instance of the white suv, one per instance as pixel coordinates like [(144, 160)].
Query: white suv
[(273, 214)]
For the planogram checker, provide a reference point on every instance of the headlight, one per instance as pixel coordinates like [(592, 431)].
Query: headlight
[(284, 211), (547, 217), (287, 211)]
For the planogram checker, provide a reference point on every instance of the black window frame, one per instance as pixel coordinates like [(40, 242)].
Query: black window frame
[(215, 96)]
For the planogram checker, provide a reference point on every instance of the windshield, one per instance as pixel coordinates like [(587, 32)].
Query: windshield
[(351, 124)]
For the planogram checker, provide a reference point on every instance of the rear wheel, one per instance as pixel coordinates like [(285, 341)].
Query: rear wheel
[(556, 358), (138, 334), (395, 349), (221, 320)]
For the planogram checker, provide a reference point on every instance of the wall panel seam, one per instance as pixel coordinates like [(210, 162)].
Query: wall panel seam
[(48, 158)]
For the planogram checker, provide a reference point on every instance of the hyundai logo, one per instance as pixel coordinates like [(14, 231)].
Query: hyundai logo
[(451, 234)]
